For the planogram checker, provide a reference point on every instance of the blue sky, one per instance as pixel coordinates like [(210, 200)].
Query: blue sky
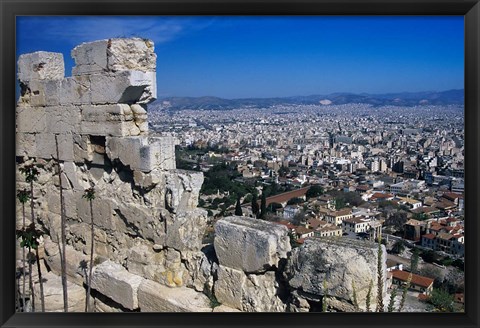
[(241, 56)]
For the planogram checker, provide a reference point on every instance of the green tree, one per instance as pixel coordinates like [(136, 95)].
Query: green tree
[(90, 196), (31, 174), (255, 207), (398, 247), (414, 261), (23, 197), (441, 300), (29, 238), (314, 191), (263, 206), (295, 201), (238, 207), (283, 171)]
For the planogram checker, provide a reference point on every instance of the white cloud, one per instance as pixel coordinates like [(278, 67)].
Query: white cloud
[(78, 29)]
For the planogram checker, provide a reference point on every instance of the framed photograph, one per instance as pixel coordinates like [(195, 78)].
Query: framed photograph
[(209, 163)]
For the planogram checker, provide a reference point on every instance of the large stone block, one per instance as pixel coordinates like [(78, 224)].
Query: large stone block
[(153, 297), (90, 57), (185, 229), (40, 93), (53, 291), (31, 119), (131, 54), (339, 262), (250, 293), (75, 90), (46, 147), (107, 113), (40, 65), (249, 244), (102, 211), (126, 87), (229, 287), (74, 258), (112, 129), (148, 154), (114, 281), (63, 119), (182, 190), (137, 220), (25, 144)]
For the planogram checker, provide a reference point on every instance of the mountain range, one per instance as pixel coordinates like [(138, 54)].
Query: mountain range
[(449, 97)]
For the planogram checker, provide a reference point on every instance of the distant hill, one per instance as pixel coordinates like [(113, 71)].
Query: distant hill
[(449, 97)]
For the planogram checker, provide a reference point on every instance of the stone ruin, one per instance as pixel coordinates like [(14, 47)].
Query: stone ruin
[(149, 255)]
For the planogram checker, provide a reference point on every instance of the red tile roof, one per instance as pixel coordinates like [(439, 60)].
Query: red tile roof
[(416, 279), (286, 196), (429, 236)]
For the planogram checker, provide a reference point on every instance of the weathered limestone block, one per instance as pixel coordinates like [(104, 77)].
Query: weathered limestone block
[(63, 119), (131, 54), (182, 190), (46, 148), (154, 297), (53, 291), (261, 294), (229, 287), (250, 245), (114, 281), (25, 144), (185, 230), (114, 129), (73, 175), (201, 269), (118, 54), (81, 148), (137, 220), (107, 113), (90, 57), (53, 201), (102, 211), (251, 293), (40, 93), (31, 119), (74, 90), (148, 180), (340, 263), (144, 261), (40, 65), (224, 308), (125, 87), (149, 154), (74, 259), (104, 305)]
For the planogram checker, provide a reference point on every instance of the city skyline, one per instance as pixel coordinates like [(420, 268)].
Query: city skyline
[(242, 57)]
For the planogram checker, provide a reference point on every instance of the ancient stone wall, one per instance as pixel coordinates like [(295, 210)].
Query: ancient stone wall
[(147, 224), (148, 230)]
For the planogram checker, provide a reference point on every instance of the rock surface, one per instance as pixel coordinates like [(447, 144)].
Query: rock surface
[(250, 245), (153, 297), (339, 262), (114, 281)]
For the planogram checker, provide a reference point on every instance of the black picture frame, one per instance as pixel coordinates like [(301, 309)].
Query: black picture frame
[(11, 8)]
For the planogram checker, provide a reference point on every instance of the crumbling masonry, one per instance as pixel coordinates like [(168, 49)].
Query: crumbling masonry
[(148, 230)]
